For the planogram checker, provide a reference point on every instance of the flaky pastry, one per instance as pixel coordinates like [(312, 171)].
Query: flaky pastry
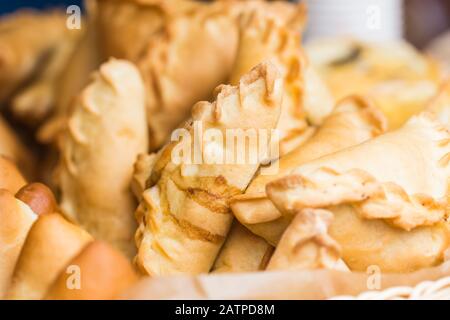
[(388, 196), (104, 135), (263, 37), (184, 216), (353, 121), (184, 63)]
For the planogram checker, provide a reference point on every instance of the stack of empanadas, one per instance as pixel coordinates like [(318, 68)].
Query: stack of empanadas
[(179, 137)]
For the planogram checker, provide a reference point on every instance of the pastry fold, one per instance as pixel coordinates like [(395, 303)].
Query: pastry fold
[(98, 272), (26, 39), (51, 243), (242, 251), (388, 196), (184, 216), (264, 36), (353, 121), (16, 220), (183, 64), (104, 135), (306, 243)]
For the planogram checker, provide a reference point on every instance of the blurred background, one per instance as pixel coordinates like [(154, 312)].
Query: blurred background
[(419, 21)]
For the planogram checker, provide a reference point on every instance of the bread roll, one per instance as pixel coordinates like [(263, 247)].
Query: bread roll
[(10, 177), (38, 197), (104, 273), (353, 121), (390, 193), (184, 216), (242, 251), (105, 133), (51, 243), (16, 219)]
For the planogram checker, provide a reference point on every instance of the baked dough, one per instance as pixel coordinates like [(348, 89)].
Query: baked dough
[(26, 38), (51, 243), (104, 135), (10, 177), (184, 216), (242, 251), (264, 36), (16, 219), (388, 196), (184, 63), (399, 78), (104, 274), (353, 121), (306, 244)]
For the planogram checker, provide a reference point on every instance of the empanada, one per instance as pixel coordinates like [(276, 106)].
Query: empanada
[(104, 135), (388, 196), (104, 273), (51, 243), (183, 63), (25, 43), (16, 219), (306, 244), (353, 121), (264, 37), (184, 216), (84, 59), (395, 75), (242, 251)]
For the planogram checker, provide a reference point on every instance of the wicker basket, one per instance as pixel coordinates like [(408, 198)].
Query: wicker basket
[(426, 290)]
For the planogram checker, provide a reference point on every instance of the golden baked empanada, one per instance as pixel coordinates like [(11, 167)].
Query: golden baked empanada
[(395, 75), (184, 216), (353, 121), (264, 37), (242, 251), (16, 219), (51, 243), (388, 196), (104, 135), (183, 64), (26, 38)]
